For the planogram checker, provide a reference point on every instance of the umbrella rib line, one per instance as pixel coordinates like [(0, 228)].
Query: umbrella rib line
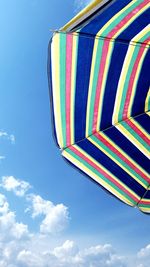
[(114, 125)]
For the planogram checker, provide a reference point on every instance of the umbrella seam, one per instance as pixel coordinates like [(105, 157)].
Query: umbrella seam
[(114, 125), (99, 37), (143, 196)]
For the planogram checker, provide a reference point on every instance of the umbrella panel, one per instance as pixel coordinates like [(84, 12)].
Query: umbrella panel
[(100, 90)]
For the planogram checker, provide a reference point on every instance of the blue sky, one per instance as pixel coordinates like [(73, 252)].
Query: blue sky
[(43, 200)]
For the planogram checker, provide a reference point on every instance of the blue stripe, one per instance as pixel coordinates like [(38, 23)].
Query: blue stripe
[(147, 195), (135, 27), (142, 87), (110, 165), (113, 77), (120, 140), (85, 52), (100, 20), (91, 179), (144, 121)]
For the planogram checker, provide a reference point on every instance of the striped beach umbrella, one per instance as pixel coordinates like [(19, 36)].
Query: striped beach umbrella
[(99, 77)]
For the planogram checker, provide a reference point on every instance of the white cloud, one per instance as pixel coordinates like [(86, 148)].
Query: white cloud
[(4, 206), (8, 225), (2, 157), (55, 216), (80, 4), (144, 252), (7, 136), (144, 256), (28, 258), (3, 134), (12, 138), (101, 256), (18, 187), (68, 249)]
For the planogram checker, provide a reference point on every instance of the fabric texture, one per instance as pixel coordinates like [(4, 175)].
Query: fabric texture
[(101, 97)]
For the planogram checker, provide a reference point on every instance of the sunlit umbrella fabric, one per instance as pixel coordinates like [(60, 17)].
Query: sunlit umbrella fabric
[(99, 77)]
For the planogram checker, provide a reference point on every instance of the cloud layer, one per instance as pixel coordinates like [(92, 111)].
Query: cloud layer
[(56, 217), (21, 247), (18, 187), (17, 244)]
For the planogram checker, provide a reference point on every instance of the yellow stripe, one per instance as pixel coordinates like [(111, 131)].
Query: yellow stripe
[(135, 84), (117, 162), (146, 200), (132, 139), (106, 170), (140, 127), (81, 14), (135, 39), (144, 209), (132, 19), (90, 85), (108, 60), (124, 153), (122, 83), (56, 86), (123, 75), (107, 65), (141, 34), (111, 21), (95, 177), (100, 33), (147, 101)]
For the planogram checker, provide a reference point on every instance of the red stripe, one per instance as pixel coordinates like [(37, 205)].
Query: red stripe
[(132, 79), (144, 202), (99, 83), (137, 130), (69, 46), (127, 18), (104, 57), (101, 171), (112, 148)]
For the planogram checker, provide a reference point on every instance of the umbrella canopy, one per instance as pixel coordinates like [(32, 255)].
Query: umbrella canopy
[(99, 78)]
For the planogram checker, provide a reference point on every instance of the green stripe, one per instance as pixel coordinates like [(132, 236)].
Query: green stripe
[(148, 99), (127, 80), (118, 159), (118, 147), (120, 18), (63, 84), (98, 60), (94, 84), (144, 206), (145, 37), (140, 126), (100, 175), (135, 135), (126, 83)]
